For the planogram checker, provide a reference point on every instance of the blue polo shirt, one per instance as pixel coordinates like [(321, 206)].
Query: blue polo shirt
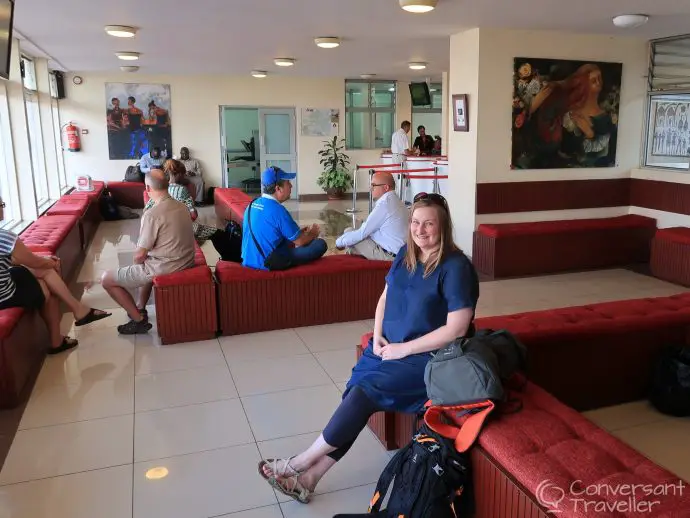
[(273, 227)]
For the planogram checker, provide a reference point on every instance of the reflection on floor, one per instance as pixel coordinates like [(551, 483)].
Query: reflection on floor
[(122, 427)]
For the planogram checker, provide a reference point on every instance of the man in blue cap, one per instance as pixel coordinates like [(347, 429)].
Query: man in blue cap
[(273, 232)]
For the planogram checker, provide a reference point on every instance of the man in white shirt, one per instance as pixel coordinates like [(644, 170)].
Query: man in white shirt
[(385, 230), (400, 143), (193, 174)]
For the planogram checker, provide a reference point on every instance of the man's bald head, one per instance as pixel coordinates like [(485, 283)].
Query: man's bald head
[(381, 183), (157, 180)]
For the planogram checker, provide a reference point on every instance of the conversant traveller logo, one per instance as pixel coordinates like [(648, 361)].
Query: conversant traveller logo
[(606, 498)]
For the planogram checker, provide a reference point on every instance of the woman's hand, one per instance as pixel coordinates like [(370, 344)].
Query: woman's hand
[(378, 344), (395, 351), (51, 263)]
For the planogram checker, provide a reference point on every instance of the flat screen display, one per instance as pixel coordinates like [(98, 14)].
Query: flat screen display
[(6, 16)]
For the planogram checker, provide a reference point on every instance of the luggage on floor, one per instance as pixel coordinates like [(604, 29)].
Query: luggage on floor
[(228, 242), (670, 386)]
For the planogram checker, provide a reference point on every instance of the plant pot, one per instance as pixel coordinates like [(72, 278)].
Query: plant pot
[(335, 193)]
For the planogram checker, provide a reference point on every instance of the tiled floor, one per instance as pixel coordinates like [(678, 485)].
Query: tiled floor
[(124, 428)]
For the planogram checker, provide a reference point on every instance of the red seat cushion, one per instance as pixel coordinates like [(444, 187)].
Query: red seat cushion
[(229, 195), (98, 187), (675, 234), (76, 205), (8, 320), (564, 226), (228, 271), (48, 232), (547, 441)]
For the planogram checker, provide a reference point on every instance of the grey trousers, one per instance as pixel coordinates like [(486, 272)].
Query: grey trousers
[(369, 249), (198, 182)]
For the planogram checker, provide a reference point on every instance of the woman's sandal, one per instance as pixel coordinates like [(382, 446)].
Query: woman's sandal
[(288, 483), (92, 316), (67, 344)]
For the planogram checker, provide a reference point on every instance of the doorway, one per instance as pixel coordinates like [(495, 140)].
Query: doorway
[(254, 138)]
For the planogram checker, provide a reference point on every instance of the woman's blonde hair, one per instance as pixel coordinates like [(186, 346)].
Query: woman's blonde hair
[(446, 243)]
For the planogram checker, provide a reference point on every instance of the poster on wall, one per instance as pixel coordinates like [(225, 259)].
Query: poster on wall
[(320, 122), (671, 129), (565, 113), (138, 119)]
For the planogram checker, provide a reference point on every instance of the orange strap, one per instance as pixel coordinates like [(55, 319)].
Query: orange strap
[(464, 435)]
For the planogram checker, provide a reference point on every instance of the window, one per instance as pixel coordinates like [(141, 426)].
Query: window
[(38, 163), (8, 176), (429, 116), (57, 134), (668, 120), (369, 114)]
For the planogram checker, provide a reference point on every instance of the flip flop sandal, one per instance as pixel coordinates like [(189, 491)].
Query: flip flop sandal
[(292, 487), (67, 344), (92, 316), (273, 464)]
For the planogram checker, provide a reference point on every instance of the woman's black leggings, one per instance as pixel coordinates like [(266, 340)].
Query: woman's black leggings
[(348, 421)]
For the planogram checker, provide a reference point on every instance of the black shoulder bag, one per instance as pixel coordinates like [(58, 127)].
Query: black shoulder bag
[(275, 260)]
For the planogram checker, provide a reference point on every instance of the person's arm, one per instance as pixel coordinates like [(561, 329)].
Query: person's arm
[(147, 237), (140, 255), (306, 236), (145, 165), (290, 230), (197, 168), (22, 256), (370, 225), (379, 341)]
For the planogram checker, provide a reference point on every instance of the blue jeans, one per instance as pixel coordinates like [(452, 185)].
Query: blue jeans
[(308, 253)]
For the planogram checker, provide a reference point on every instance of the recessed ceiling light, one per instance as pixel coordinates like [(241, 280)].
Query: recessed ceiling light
[(127, 56), (259, 73), (417, 65), (127, 68), (367, 76), (630, 21), (121, 31), (418, 6), (284, 62), (327, 42)]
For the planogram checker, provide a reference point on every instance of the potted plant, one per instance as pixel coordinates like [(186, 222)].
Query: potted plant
[(335, 178)]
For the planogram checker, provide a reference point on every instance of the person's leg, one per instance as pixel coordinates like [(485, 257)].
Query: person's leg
[(371, 250), (199, 186), (308, 253), (115, 283), (144, 296), (50, 313), (57, 287)]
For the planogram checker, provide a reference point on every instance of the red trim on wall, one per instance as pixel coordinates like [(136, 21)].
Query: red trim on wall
[(664, 196)]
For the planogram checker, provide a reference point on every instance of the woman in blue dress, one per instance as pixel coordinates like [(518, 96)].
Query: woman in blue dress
[(429, 300)]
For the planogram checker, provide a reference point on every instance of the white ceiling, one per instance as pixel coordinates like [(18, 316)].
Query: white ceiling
[(236, 36)]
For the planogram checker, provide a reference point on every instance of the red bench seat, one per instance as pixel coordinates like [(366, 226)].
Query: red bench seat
[(58, 235), (77, 205), (512, 249), (98, 188), (670, 259), (230, 203), (128, 194)]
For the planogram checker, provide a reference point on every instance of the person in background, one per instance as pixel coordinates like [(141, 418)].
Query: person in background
[(177, 181), (193, 174), (400, 143), (384, 231), (423, 143), (429, 300), (274, 228), (152, 160), (32, 282), (166, 245)]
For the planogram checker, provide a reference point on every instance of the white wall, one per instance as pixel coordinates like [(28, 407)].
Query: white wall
[(195, 118)]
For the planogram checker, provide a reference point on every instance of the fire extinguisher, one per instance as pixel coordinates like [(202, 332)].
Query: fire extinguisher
[(73, 139)]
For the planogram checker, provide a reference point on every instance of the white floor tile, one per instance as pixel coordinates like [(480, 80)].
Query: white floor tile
[(190, 429), (105, 493), (362, 465), (345, 335), (69, 448), (338, 364), (202, 485), (272, 511), (104, 337), (58, 404), (262, 346), (293, 412), (261, 377), (625, 416), (151, 359), (341, 386), (354, 500), (180, 388)]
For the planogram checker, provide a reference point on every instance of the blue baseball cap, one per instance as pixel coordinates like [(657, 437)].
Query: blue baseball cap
[(274, 175)]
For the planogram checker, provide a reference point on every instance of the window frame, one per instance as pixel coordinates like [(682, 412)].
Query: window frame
[(371, 111), (8, 175), (39, 167)]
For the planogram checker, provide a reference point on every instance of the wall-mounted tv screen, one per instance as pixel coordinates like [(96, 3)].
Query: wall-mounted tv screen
[(6, 17), (420, 94)]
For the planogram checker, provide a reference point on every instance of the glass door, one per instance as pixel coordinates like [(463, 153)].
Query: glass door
[(278, 141)]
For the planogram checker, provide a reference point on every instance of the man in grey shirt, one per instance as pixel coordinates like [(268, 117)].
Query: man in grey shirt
[(193, 174)]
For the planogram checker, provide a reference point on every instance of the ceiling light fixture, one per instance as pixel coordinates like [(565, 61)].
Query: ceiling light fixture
[(418, 6), (129, 68), (327, 42), (417, 65), (127, 56), (367, 76), (630, 21), (121, 31), (284, 62), (259, 74)]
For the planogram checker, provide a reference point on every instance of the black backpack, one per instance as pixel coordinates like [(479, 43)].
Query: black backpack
[(134, 174), (428, 477), (670, 383), (228, 242), (108, 207)]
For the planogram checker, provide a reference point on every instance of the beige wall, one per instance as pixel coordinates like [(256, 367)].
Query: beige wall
[(195, 102)]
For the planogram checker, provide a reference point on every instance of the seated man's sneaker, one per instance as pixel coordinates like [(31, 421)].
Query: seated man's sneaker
[(134, 328)]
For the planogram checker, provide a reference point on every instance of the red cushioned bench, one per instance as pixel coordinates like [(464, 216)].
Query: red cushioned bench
[(670, 259), (548, 443), (57, 235), (23, 342), (98, 189), (128, 194), (511, 249), (186, 309), (230, 203), (332, 289), (76, 205), (587, 356)]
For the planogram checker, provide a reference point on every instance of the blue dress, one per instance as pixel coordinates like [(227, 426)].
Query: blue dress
[(414, 307)]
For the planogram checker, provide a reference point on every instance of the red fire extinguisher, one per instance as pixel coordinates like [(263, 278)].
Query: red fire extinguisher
[(73, 139)]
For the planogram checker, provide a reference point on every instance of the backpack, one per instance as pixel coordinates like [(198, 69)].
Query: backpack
[(427, 476), (134, 174), (228, 242), (210, 195), (108, 207), (670, 384)]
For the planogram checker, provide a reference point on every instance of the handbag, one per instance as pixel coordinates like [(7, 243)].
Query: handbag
[(275, 260)]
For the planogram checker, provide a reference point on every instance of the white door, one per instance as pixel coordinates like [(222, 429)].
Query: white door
[(278, 141)]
